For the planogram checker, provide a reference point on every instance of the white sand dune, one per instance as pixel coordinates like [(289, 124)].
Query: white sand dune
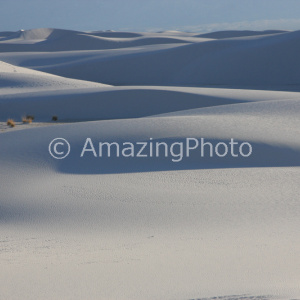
[(149, 228), (238, 33), (257, 123), (261, 62), (208, 231), (46, 39), (43, 96), (16, 80)]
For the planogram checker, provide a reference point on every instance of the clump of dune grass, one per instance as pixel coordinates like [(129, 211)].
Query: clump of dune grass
[(54, 118), (26, 120), (11, 123), (30, 117)]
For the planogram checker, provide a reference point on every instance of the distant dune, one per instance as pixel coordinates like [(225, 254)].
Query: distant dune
[(238, 33), (46, 40), (264, 60)]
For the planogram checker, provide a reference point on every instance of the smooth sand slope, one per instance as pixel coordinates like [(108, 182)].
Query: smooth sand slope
[(17, 80), (149, 228), (28, 92)]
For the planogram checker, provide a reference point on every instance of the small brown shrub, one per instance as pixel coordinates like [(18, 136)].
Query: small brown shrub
[(11, 123), (26, 120), (30, 117)]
